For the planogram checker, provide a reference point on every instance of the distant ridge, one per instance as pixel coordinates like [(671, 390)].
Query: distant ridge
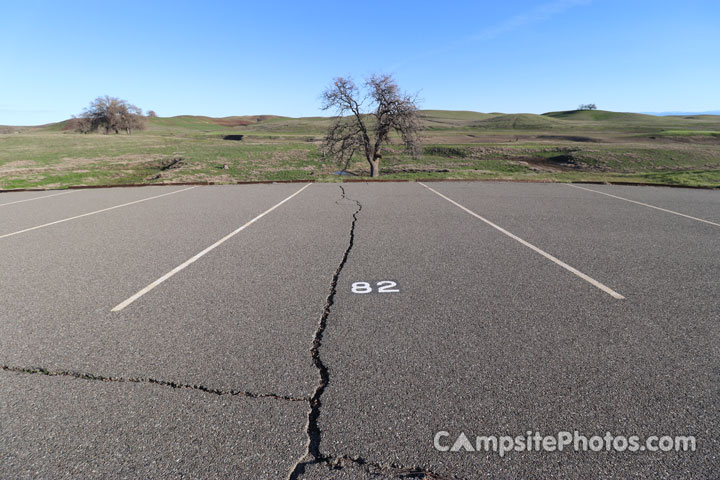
[(667, 114), (431, 119)]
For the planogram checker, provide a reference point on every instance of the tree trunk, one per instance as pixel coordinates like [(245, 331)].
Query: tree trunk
[(375, 167)]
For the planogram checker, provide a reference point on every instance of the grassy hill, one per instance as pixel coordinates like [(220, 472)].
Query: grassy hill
[(601, 119), (602, 116), (449, 119), (559, 146), (521, 121)]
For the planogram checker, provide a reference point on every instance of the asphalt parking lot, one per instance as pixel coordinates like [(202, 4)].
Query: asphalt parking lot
[(330, 331)]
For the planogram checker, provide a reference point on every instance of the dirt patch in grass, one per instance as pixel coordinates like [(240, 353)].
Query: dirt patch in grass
[(307, 168), (84, 171), (231, 122), (73, 164), (570, 138), (687, 139), (559, 163), (196, 177), (458, 139), (403, 169), (18, 165)]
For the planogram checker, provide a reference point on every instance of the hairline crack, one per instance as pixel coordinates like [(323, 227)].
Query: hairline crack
[(146, 380)]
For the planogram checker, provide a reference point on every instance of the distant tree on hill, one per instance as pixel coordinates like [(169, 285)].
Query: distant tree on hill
[(110, 114), (587, 106), (151, 114), (364, 121)]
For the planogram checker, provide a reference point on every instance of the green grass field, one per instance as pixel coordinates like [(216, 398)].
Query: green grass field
[(558, 146)]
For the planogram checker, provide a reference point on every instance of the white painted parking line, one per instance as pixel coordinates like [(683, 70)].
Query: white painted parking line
[(645, 205), (37, 198), (180, 267), (567, 267), (92, 213)]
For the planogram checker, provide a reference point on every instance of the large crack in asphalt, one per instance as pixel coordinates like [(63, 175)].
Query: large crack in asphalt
[(152, 381), (313, 455)]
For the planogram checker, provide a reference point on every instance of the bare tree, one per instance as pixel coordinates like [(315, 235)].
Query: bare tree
[(587, 106), (151, 114), (132, 119), (80, 124), (364, 120), (112, 115)]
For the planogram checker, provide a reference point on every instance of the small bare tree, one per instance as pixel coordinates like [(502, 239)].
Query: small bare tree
[(80, 124), (132, 119), (587, 106), (364, 120), (112, 115)]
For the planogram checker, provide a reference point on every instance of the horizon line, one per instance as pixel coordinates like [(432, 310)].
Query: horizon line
[(656, 114)]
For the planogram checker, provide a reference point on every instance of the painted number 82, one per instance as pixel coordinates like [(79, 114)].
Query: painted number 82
[(386, 286)]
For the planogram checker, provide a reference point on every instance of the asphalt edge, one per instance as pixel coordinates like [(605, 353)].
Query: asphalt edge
[(358, 180), (131, 185)]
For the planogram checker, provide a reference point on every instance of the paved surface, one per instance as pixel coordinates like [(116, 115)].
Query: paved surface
[(257, 360)]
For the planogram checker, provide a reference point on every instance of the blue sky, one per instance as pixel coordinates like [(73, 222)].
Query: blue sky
[(236, 58)]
